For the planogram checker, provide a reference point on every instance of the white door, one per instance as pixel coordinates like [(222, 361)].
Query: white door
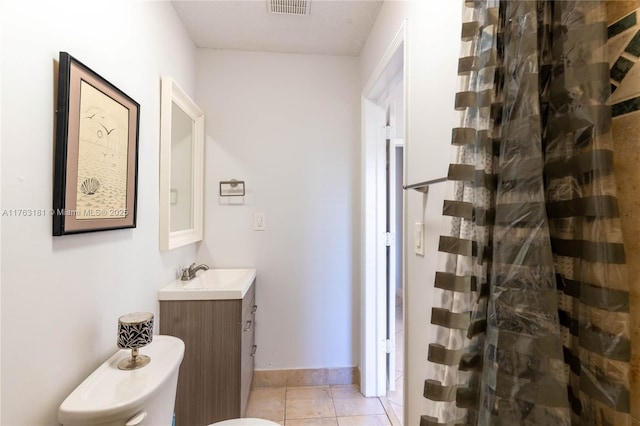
[(391, 249)]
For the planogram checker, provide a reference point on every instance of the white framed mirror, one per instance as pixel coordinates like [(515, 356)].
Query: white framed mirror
[(181, 167)]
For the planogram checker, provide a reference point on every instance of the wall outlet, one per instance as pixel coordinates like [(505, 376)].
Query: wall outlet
[(259, 222)]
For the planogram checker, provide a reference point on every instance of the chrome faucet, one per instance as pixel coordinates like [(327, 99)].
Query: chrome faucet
[(190, 273)]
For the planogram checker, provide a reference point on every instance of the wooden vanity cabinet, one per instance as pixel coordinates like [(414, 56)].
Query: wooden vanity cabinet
[(217, 369)]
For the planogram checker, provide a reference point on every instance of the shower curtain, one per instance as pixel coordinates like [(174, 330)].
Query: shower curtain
[(532, 311)]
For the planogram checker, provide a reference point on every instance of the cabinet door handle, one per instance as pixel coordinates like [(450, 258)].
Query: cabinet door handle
[(248, 327), (253, 350), (255, 308)]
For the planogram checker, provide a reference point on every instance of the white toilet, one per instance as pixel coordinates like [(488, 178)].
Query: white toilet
[(114, 397)]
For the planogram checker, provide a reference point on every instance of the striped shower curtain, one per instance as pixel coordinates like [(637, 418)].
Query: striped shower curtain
[(532, 305)]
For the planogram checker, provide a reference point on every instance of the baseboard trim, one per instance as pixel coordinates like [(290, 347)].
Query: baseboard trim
[(306, 377)]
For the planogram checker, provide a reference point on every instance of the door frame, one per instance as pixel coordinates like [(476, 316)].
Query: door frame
[(391, 67)]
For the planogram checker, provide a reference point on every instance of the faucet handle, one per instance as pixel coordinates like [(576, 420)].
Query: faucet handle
[(186, 275), (192, 266)]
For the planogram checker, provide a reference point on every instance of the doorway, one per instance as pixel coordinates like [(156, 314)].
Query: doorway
[(384, 103)]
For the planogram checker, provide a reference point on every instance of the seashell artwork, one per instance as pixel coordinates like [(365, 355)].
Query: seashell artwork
[(96, 153), (102, 156), (90, 186)]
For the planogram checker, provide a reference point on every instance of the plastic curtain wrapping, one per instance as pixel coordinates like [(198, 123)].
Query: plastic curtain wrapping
[(532, 315)]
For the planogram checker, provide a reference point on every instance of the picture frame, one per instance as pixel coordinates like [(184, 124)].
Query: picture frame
[(96, 153)]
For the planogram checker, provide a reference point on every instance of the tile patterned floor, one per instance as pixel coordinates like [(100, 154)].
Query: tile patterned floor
[(341, 405)]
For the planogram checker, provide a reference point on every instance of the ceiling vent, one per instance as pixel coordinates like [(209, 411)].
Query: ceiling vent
[(289, 7)]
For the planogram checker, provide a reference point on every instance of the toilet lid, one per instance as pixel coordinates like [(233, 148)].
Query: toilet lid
[(246, 422)]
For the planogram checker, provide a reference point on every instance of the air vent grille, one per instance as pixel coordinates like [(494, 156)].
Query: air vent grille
[(289, 7)]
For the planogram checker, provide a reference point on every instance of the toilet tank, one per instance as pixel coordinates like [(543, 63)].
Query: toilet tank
[(146, 396)]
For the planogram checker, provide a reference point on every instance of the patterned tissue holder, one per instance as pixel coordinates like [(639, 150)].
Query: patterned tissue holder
[(135, 330)]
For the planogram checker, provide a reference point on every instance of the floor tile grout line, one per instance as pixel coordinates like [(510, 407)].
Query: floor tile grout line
[(333, 402)]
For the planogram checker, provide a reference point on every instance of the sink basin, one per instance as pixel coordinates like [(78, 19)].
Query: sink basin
[(214, 284)]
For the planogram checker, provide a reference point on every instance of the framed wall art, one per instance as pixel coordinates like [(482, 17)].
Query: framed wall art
[(96, 153)]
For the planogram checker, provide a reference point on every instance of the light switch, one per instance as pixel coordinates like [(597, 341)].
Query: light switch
[(259, 222), (419, 238)]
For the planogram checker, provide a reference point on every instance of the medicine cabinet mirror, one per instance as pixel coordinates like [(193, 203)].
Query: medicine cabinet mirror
[(181, 167)]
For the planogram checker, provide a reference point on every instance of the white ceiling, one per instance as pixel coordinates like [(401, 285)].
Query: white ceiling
[(333, 27)]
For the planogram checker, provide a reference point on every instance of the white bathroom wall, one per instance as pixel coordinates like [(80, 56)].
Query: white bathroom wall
[(433, 43), (288, 125), (1, 34), (62, 296)]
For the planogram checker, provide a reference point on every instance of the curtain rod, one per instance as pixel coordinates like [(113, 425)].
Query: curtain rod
[(424, 186)]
